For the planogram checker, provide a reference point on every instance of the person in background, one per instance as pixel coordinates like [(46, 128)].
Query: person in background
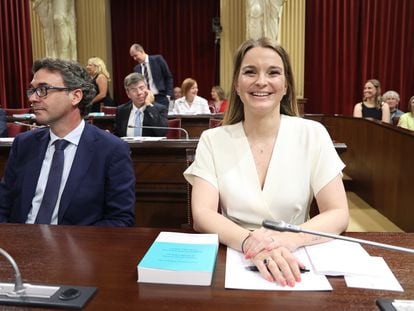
[(372, 105), (266, 162), (3, 123), (407, 119), (96, 185), (100, 78), (176, 94), (156, 72), (392, 98), (218, 102), (190, 103), (141, 111)]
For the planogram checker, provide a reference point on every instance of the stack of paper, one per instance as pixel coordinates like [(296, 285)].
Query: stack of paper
[(338, 257), (180, 258)]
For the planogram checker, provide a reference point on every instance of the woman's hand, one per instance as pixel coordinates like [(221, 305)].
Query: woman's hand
[(279, 265), (264, 239)]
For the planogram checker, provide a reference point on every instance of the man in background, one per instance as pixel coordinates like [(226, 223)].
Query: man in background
[(68, 172), (136, 117), (156, 73)]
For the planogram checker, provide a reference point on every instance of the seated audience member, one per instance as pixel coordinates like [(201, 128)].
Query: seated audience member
[(190, 103), (218, 101), (90, 182), (141, 111), (372, 105), (254, 178), (392, 98), (100, 78), (176, 95), (407, 119), (3, 123)]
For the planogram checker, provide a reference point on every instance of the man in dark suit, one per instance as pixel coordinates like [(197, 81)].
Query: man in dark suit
[(139, 114), (97, 182), (156, 72)]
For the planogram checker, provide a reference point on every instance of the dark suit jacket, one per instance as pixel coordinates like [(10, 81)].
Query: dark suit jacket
[(157, 115), (161, 74), (100, 189)]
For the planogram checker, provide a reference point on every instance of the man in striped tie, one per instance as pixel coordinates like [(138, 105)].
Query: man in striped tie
[(156, 72)]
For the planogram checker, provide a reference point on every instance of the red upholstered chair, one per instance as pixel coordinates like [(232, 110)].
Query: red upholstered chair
[(395, 120), (214, 122), (13, 129), (12, 111), (108, 109), (174, 134)]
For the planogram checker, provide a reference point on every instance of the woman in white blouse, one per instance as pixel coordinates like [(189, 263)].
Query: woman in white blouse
[(190, 103), (266, 162)]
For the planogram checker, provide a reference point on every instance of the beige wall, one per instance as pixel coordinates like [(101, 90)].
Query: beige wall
[(93, 32)]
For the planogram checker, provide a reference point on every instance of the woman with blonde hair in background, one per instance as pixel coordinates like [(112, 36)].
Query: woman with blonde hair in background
[(100, 78)]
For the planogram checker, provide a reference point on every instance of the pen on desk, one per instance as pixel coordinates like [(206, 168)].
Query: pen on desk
[(255, 269)]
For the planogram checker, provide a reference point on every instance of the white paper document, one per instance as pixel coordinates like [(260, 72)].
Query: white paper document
[(237, 277), (383, 277), (338, 257)]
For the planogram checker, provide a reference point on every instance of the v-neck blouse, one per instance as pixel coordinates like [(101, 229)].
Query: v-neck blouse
[(303, 161)]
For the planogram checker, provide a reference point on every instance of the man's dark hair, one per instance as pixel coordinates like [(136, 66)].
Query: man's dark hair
[(74, 77)]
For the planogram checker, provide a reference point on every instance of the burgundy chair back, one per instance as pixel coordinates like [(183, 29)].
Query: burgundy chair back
[(109, 109), (12, 111), (174, 134), (13, 129), (214, 122)]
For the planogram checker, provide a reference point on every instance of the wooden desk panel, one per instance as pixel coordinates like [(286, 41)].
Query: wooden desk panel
[(379, 161), (107, 258), (161, 190)]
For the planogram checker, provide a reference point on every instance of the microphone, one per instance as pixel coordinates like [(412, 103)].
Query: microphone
[(41, 295), (280, 225), (187, 137)]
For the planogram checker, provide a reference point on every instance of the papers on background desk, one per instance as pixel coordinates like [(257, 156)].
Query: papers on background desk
[(237, 277), (142, 138), (6, 139), (335, 257)]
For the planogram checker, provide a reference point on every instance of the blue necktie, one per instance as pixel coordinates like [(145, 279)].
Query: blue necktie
[(50, 196), (138, 125)]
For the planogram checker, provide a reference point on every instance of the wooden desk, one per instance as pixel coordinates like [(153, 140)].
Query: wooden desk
[(379, 161), (107, 258)]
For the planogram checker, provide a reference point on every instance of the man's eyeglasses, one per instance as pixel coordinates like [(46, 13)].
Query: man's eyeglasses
[(41, 91)]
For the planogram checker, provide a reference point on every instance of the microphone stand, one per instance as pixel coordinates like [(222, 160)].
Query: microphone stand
[(280, 225), (41, 295), (18, 284)]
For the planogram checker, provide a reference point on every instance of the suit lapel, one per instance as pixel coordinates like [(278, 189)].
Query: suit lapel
[(83, 158), (124, 118), (32, 169)]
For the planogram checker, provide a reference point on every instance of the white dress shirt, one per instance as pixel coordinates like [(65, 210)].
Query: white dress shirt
[(70, 151)]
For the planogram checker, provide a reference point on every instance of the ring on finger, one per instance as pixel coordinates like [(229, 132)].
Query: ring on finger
[(266, 261)]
